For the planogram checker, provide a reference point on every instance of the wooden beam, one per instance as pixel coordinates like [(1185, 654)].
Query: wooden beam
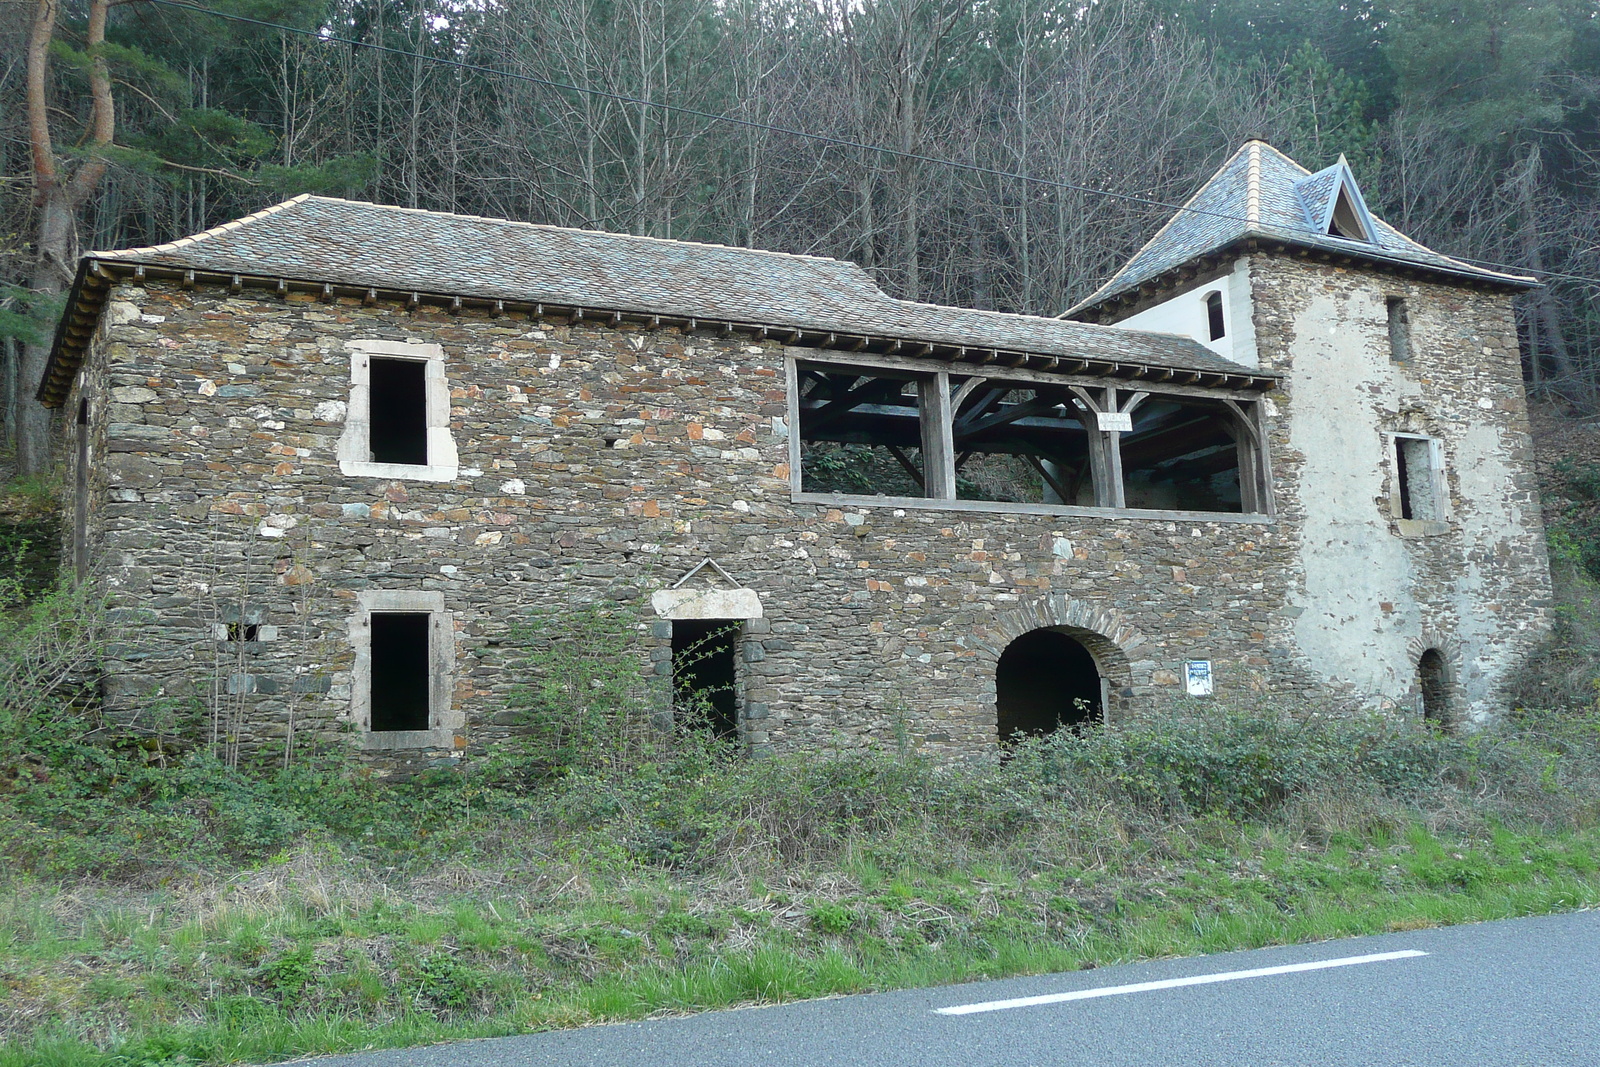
[(965, 391), (869, 389), (975, 424), (1061, 491), (910, 468), (938, 444)]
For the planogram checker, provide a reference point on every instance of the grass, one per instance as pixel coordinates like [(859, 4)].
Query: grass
[(468, 907)]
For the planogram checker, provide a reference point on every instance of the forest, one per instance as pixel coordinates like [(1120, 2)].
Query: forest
[(1004, 154)]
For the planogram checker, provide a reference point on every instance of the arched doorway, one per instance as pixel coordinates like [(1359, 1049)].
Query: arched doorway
[(1434, 683), (1045, 680)]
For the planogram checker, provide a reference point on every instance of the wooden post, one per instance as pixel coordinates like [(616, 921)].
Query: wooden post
[(1099, 469), (938, 437), (1112, 443), (1248, 440)]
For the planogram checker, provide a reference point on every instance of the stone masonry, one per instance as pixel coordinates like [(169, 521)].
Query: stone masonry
[(602, 461)]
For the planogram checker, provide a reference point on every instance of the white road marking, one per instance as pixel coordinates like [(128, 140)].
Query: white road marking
[(1174, 983)]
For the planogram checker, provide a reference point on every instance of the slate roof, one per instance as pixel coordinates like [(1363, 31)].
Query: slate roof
[(350, 243), (1260, 193)]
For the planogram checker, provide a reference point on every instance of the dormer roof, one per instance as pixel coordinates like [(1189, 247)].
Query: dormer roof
[(1334, 206), (1262, 198)]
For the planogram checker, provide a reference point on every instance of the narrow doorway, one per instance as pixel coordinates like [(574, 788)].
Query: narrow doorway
[(80, 496), (1435, 689), (704, 673), (1046, 680)]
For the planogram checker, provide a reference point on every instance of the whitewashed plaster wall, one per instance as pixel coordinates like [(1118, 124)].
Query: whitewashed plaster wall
[(1185, 314)]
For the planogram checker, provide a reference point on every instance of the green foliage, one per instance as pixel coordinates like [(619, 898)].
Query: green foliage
[(581, 708), (29, 316), (1578, 533), (1494, 70), (289, 975), (834, 468), (207, 137), (1244, 762), (345, 176), (1329, 113)]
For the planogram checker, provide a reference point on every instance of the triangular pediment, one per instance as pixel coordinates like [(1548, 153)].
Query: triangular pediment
[(707, 591)]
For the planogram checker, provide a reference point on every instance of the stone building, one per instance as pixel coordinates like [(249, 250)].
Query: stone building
[(327, 457)]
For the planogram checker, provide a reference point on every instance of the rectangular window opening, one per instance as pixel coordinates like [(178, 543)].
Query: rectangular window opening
[(1025, 445), (704, 674), (399, 411), (860, 432), (1417, 479), (1399, 330), (1184, 455), (244, 631), (401, 673)]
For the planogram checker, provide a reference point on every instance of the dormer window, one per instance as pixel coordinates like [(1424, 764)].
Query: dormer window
[(1346, 221), (1216, 326), (1333, 204)]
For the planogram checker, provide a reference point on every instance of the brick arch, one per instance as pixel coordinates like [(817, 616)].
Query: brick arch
[(1101, 629), (1450, 653)]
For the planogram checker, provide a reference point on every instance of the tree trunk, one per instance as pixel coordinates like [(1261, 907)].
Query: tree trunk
[(57, 199), (1546, 312)]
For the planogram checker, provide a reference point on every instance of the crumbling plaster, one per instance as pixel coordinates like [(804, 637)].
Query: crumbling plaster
[(1364, 588)]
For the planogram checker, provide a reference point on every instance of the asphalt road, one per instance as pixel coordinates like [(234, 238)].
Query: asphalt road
[(1518, 992)]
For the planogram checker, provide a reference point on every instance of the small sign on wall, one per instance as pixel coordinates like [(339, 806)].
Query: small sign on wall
[(1110, 421), (1197, 677)]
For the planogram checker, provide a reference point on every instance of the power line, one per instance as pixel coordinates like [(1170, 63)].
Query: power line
[(838, 142)]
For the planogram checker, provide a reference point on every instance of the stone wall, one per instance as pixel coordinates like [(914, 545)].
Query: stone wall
[(600, 463), (1370, 592)]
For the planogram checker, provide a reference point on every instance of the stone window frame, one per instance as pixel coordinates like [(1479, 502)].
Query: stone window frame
[(1437, 488), (355, 444), (935, 396), (445, 720)]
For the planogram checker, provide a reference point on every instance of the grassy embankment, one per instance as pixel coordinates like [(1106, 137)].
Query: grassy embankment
[(158, 907)]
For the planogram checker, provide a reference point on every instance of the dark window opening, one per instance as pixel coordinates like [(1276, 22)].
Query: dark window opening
[(398, 415), (860, 432), (244, 631), (1045, 680), (1416, 479), (400, 671), (1186, 455), (704, 674), (80, 495), (1214, 320), (1399, 330), (1025, 445), (1346, 221), (1435, 691)]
